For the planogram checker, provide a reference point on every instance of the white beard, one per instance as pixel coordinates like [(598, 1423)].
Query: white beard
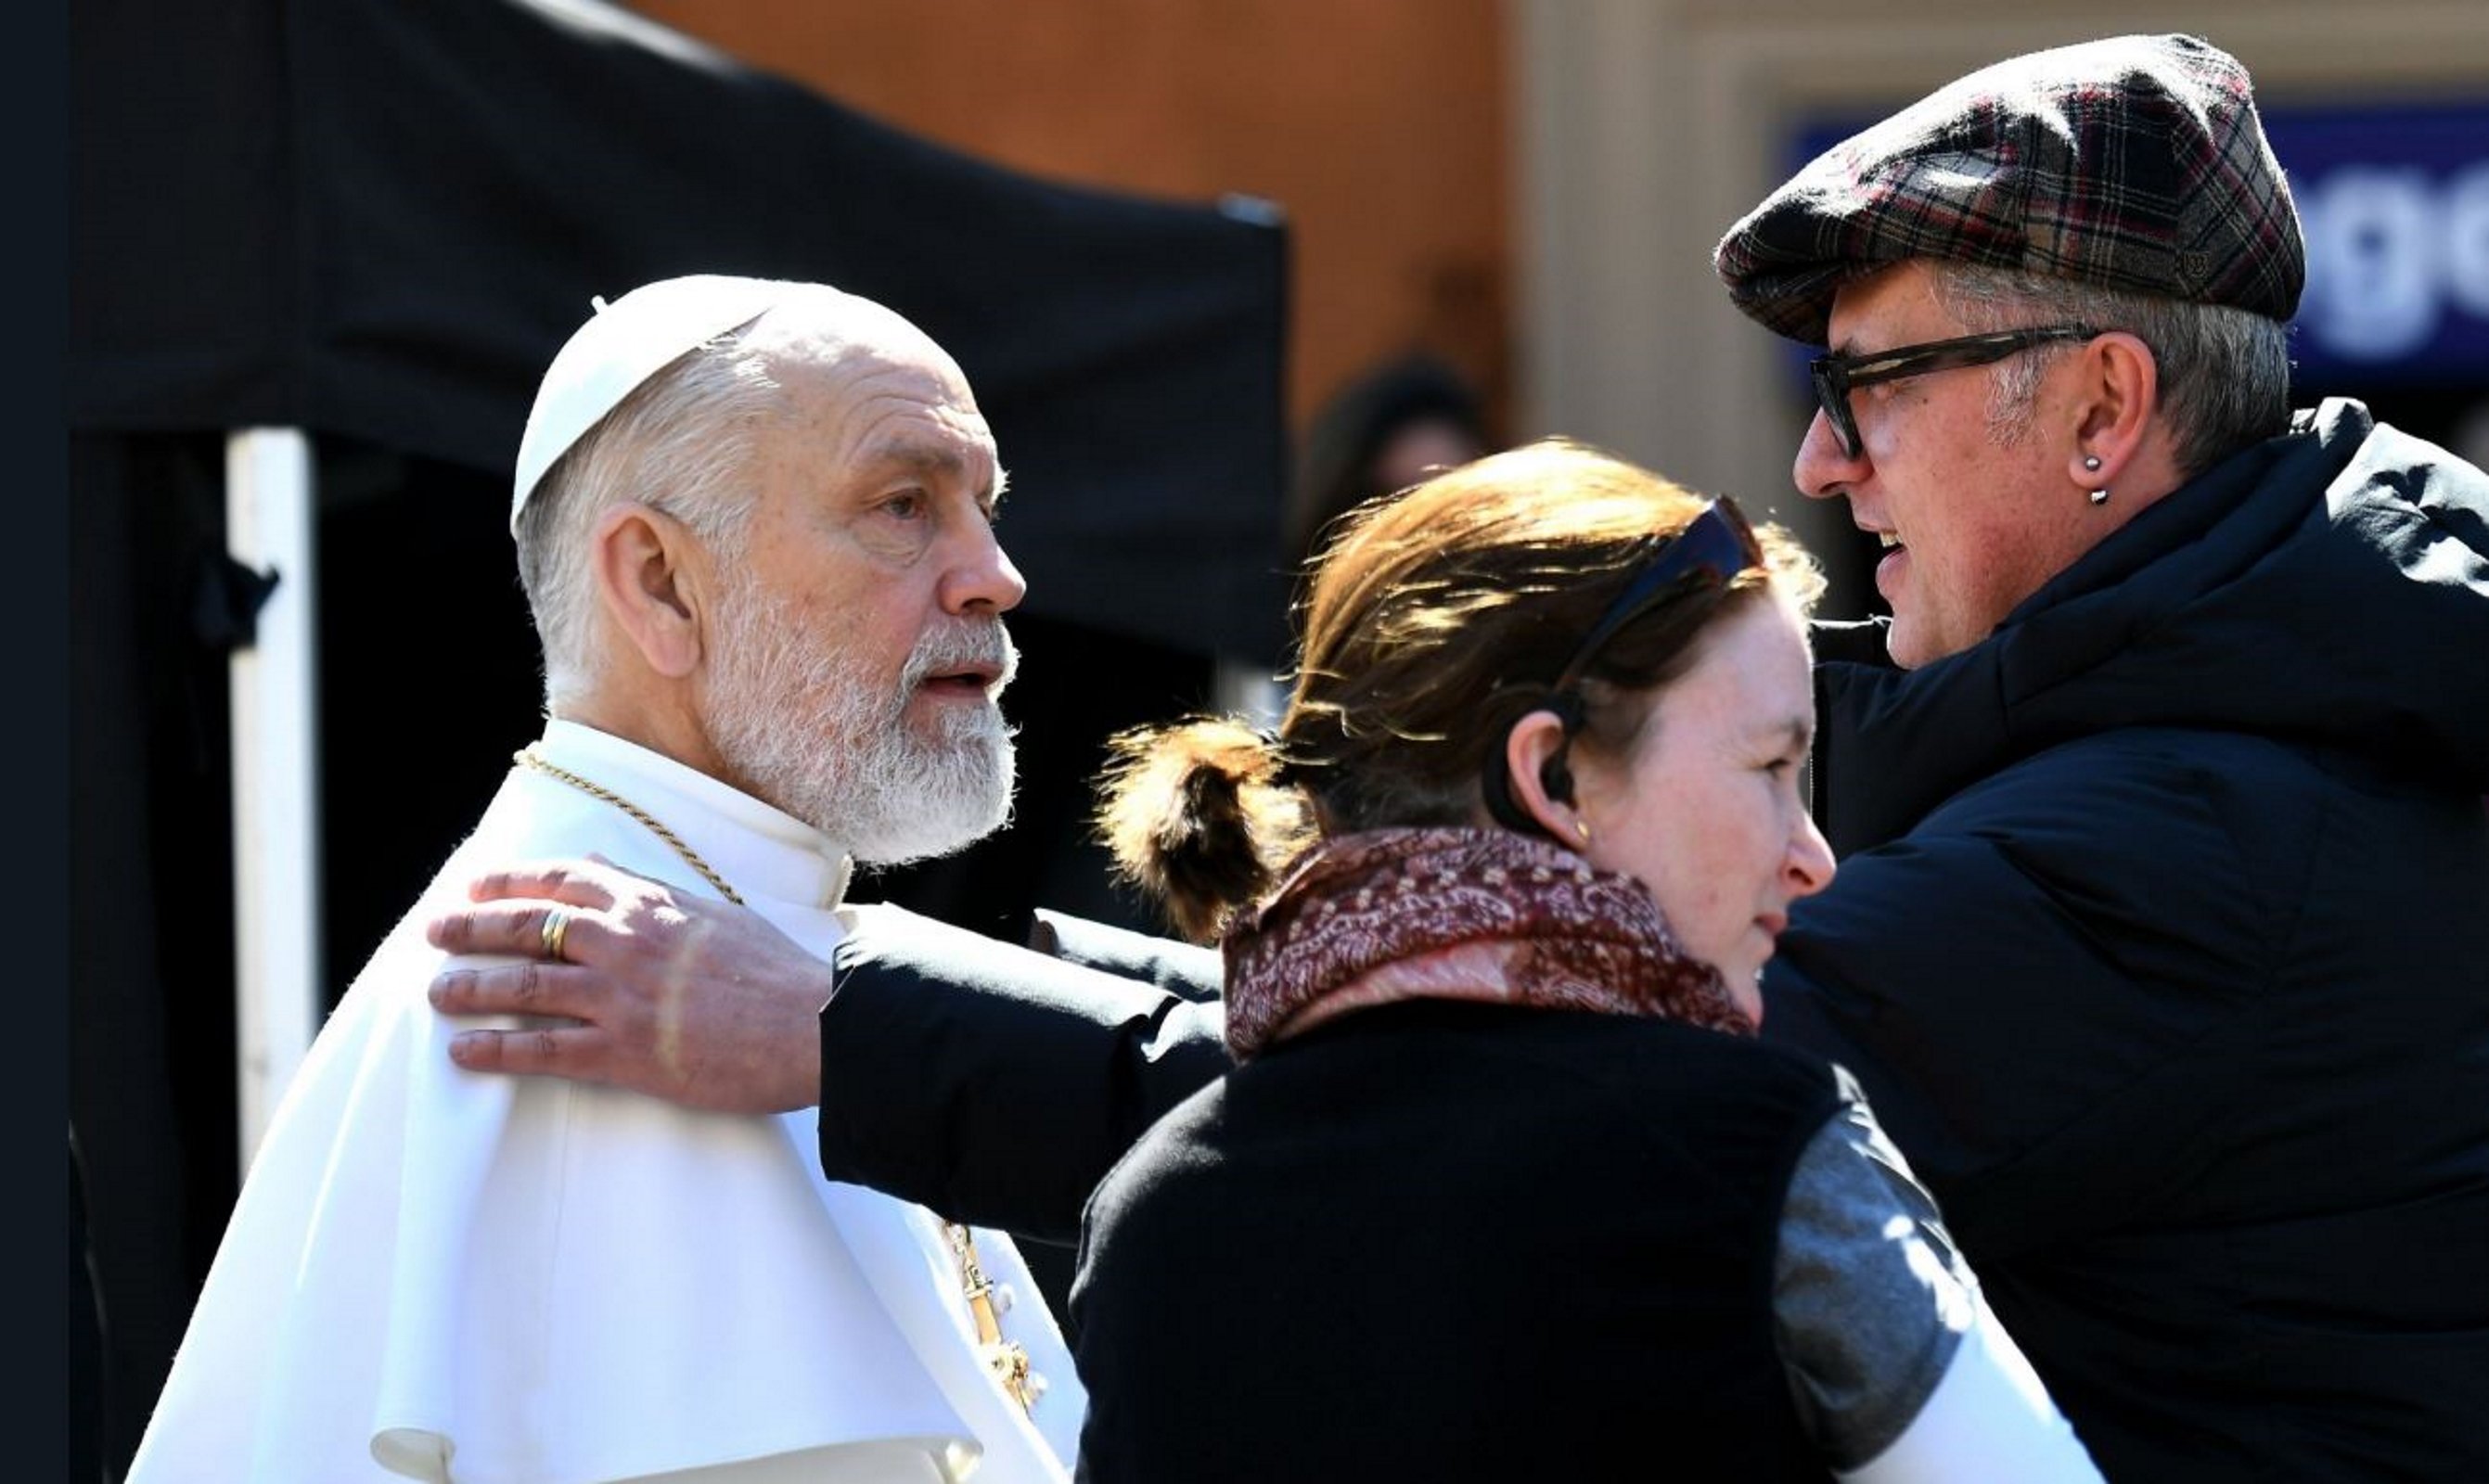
[(807, 726)]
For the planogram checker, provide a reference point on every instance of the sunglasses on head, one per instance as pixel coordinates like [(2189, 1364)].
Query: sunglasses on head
[(1715, 546), (1718, 543)]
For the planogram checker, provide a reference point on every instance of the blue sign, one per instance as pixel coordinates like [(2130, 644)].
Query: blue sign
[(2395, 205), (2395, 202)]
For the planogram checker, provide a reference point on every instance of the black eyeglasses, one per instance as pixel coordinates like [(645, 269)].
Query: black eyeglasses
[(1835, 376), (1717, 543)]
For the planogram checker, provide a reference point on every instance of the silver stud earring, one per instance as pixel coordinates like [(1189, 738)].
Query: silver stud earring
[(2091, 465), (2099, 497)]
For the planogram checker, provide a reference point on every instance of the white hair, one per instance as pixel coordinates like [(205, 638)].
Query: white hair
[(2224, 373), (679, 444)]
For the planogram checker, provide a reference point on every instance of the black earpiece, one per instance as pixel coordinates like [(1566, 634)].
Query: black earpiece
[(1555, 777), (1501, 803)]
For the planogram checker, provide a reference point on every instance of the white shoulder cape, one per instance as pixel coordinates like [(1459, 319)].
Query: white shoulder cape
[(446, 1275)]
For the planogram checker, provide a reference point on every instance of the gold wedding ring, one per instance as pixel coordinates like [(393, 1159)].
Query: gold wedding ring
[(557, 928)]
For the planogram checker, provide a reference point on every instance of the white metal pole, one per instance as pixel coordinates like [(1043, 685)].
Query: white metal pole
[(275, 772)]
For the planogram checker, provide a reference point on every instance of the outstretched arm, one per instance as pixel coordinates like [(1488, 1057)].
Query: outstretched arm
[(992, 1083), (989, 1082)]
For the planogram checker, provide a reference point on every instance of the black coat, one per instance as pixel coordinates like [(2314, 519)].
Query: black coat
[(1454, 1240), (2159, 945), (2157, 942)]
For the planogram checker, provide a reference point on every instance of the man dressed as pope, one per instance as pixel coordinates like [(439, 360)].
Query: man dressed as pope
[(755, 525)]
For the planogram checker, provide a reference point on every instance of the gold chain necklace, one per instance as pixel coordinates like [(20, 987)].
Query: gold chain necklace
[(1007, 1360), (529, 758)]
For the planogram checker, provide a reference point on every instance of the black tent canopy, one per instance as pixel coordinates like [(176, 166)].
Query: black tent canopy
[(381, 219), (375, 221)]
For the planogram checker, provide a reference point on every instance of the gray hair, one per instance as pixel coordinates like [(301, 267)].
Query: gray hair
[(678, 443), (2224, 373)]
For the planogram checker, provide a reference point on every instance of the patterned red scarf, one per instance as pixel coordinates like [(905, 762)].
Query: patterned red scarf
[(1457, 914)]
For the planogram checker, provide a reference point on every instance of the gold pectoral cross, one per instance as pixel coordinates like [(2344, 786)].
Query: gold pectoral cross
[(1007, 1360)]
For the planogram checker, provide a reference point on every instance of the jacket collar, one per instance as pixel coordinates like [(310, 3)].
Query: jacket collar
[(2144, 629)]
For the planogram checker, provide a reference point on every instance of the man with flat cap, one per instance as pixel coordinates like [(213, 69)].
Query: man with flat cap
[(2158, 798), (755, 525)]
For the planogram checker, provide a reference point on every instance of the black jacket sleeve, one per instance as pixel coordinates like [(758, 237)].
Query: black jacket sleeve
[(1195, 973), (995, 1084)]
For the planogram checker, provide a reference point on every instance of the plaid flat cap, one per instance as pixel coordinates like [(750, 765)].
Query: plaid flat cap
[(2136, 163)]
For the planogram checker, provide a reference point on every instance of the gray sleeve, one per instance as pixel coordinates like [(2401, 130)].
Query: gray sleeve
[(1869, 1299)]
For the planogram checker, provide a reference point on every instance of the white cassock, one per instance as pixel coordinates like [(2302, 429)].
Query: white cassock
[(448, 1275)]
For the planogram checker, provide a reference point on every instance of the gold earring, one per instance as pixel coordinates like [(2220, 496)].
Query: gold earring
[(1582, 827)]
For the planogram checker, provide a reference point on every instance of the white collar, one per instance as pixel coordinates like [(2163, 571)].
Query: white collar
[(763, 852)]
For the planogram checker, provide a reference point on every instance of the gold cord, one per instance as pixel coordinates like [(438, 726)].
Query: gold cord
[(1008, 1360), (529, 758)]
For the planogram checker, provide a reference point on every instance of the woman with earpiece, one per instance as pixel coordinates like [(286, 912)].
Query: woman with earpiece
[(1502, 1186)]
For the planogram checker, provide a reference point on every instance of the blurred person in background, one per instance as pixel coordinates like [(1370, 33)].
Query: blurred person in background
[(1406, 418), (2157, 801)]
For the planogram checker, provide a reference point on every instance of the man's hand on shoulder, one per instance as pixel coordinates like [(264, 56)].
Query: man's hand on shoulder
[(697, 1002)]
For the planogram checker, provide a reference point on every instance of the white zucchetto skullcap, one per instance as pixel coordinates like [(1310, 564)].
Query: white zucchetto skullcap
[(623, 345)]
